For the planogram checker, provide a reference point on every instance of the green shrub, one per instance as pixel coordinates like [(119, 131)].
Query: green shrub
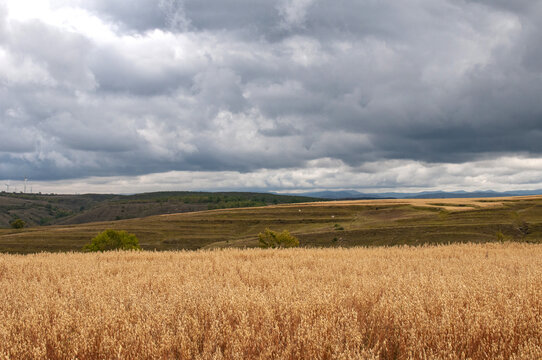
[(113, 240), (17, 224), (273, 239)]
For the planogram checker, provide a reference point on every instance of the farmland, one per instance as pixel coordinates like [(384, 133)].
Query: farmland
[(463, 301), (461, 280), (316, 224)]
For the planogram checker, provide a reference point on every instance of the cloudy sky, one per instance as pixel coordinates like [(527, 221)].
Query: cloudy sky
[(285, 95)]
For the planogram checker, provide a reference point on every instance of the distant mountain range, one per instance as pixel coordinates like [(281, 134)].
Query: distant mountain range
[(353, 194)]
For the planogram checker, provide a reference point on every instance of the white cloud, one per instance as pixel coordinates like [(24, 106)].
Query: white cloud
[(380, 176)]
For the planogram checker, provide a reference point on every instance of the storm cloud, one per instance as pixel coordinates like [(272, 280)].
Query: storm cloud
[(127, 89)]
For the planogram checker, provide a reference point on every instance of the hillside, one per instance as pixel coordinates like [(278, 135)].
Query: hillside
[(39, 210), (321, 224)]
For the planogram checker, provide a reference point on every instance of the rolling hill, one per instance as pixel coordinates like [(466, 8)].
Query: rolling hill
[(39, 210), (316, 224)]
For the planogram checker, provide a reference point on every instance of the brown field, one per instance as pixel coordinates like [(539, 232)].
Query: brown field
[(455, 204), (473, 301)]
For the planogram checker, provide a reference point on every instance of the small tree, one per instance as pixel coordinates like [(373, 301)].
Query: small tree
[(273, 239), (113, 240), (17, 224)]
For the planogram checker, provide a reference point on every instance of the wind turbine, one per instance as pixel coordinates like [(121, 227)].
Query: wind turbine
[(25, 182), (7, 186)]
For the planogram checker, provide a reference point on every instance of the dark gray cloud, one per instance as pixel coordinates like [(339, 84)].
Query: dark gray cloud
[(101, 88)]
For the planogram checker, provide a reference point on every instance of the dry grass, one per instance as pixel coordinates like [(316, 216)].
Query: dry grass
[(455, 204), (446, 302)]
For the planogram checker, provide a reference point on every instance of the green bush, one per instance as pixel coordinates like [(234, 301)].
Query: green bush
[(113, 240), (273, 239), (17, 224)]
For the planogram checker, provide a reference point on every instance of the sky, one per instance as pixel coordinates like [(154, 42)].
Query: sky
[(286, 95)]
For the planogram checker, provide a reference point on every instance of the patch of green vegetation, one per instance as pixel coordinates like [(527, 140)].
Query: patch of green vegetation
[(236, 204), (273, 239), (44, 221), (17, 224), (112, 240)]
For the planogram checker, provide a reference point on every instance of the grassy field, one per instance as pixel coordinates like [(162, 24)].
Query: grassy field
[(468, 301), (328, 224)]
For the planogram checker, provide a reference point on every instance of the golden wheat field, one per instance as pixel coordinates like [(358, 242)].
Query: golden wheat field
[(440, 302)]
